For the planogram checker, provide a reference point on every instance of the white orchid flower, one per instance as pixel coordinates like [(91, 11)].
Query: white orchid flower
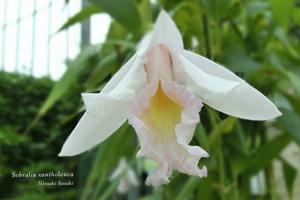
[(128, 177), (160, 91)]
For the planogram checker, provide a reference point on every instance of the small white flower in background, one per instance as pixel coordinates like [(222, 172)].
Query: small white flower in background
[(128, 177), (160, 91)]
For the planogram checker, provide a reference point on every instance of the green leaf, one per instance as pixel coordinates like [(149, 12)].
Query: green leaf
[(282, 11), (290, 175), (201, 136), (188, 188), (213, 116), (237, 140), (111, 189), (123, 11), (295, 81), (102, 70), (146, 14), (289, 121), (216, 8), (205, 189), (238, 61), (282, 35), (262, 157), (151, 197), (224, 127), (156, 194), (80, 16), (256, 7), (116, 32), (282, 102)]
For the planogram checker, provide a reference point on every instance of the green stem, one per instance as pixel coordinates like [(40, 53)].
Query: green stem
[(222, 172), (91, 177), (206, 36), (110, 190), (218, 45), (236, 189)]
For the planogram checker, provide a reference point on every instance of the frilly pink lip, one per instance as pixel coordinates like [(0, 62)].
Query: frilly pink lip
[(169, 149)]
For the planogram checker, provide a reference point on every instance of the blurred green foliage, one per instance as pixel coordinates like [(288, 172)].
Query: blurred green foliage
[(259, 40), (35, 151)]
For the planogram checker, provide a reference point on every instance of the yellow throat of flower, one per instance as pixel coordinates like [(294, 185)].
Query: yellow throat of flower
[(162, 115)]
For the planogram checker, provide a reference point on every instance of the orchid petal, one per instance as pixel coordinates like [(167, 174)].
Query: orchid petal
[(105, 112), (93, 129), (241, 101), (159, 64), (144, 44), (205, 84), (119, 76), (134, 80), (210, 67), (165, 32)]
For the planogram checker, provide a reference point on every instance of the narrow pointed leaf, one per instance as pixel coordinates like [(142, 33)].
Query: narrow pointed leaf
[(289, 121), (188, 188), (282, 11), (290, 175), (263, 156), (224, 127), (123, 11), (80, 16), (146, 13)]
